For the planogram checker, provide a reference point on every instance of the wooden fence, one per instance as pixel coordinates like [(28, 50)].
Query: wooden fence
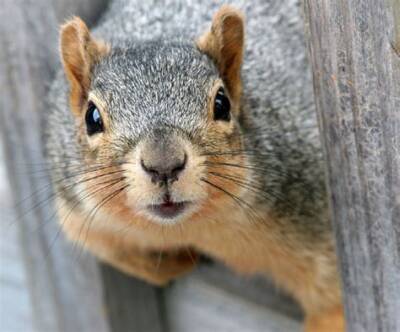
[(354, 47)]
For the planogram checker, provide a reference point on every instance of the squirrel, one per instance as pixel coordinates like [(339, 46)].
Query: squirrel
[(172, 130)]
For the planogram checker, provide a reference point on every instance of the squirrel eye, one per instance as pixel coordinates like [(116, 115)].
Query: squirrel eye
[(94, 123), (222, 106)]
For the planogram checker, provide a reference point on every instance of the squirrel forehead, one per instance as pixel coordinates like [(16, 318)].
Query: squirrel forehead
[(154, 68), (155, 82)]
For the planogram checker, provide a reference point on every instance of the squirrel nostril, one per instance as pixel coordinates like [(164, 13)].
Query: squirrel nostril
[(147, 169), (154, 174), (179, 168), (163, 172)]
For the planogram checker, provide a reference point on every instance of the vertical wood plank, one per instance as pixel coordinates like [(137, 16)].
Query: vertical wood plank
[(67, 289), (396, 14), (357, 92), (66, 294), (132, 304)]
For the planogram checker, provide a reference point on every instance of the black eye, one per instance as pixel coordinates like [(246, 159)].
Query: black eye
[(94, 123), (222, 106)]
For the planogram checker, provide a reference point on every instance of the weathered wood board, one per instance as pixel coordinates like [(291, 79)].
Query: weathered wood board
[(66, 292), (196, 305), (15, 306), (357, 92)]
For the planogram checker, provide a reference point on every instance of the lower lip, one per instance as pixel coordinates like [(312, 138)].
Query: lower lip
[(168, 210)]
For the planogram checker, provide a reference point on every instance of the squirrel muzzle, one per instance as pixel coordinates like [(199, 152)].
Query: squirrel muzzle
[(164, 170)]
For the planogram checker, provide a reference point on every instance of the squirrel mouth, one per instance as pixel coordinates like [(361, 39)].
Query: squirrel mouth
[(168, 209)]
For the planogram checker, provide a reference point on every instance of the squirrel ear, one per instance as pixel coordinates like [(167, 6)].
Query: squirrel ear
[(224, 43), (79, 52)]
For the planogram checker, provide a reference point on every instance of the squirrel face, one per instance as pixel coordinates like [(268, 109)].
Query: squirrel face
[(160, 118)]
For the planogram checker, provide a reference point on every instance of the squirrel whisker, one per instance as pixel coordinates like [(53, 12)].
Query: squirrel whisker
[(54, 193), (65, 165), (253, 168), (244, 184), (246, 207), (77, 202), (106, 200), (92, 213), (268, 195)]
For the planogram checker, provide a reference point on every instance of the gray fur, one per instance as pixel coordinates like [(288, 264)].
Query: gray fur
[(167, 84)]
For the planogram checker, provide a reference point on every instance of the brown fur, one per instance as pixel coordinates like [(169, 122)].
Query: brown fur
[(329, 321), (224, 43), (79, 52), (231, 241), (249, 248), (157, 253), (157, 267)]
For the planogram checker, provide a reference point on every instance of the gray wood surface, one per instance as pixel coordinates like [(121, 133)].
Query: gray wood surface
[(256, 290), (357, 92), (196, 305), (66, 289), (28, 32), (15, 308)]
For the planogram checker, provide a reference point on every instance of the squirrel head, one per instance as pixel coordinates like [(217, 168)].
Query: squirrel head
[(161, 118)]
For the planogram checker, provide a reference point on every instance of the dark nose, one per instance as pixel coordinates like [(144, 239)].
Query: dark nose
[(165, 170)]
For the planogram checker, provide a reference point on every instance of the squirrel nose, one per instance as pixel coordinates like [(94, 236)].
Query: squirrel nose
[(165, 170)]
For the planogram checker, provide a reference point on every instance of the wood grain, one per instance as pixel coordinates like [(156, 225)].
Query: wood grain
[(15, 308), (67, 287), (196, 305), (357, 93)]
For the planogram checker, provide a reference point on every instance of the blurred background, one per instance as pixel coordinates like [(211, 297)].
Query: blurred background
[(15, 311)]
